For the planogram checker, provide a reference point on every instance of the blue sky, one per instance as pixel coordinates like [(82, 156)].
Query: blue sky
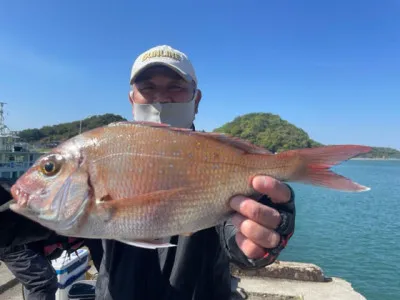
[(329, 67)]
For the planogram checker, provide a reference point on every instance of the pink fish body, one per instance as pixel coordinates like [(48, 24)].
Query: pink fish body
[(142, 182)]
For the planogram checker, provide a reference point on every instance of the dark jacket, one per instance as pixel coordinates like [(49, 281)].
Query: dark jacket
[(15, 229), (197, 268)]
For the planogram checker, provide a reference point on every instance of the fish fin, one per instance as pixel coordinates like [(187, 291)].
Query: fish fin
[(235, 142), (136, 123), (105, 211), (149, 244), (238, 143), (108, 209), (221, 137), (151, 124), (315, 164), (104, 198), (187, 233), (143, 198)]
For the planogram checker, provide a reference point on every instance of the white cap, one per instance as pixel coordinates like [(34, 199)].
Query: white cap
[(167, 56)]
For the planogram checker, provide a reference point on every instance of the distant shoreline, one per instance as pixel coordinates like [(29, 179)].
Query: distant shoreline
[(365, 158)]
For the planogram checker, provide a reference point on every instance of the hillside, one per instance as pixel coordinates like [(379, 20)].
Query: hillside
[(382, 152), (275, 134), (269, 131), (263, 129), (64, 131)]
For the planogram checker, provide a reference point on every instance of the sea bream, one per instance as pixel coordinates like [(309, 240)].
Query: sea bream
[(140, 182)]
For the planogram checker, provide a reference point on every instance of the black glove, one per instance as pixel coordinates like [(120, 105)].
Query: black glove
[(285, 229)]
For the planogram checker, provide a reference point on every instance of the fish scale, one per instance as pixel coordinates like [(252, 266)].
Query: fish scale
[(161, 176)]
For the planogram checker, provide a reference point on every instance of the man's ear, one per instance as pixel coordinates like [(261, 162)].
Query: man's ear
[(130, 96), (197, 100)]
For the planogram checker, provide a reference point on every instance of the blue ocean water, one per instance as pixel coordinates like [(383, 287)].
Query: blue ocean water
[(355, 236)]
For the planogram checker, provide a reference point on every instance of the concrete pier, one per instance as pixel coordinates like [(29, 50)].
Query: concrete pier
[(280, 281)]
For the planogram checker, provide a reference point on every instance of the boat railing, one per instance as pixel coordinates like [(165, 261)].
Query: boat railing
[(15, 165)]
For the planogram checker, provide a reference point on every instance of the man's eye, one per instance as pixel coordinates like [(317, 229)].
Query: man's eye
[(176, 88), (146, 88)]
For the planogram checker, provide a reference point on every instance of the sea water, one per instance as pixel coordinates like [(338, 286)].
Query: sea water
[(355, 236)]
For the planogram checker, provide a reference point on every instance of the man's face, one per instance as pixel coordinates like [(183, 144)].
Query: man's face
[(161, 84)]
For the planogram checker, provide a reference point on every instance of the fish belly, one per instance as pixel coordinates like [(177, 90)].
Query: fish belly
[(184, 212)]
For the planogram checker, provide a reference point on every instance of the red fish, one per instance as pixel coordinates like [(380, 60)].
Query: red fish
[(141, 182)]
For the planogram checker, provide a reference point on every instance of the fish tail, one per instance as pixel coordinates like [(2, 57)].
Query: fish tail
[(312, 166)]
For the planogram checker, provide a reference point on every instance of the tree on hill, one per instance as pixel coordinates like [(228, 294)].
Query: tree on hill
[(262, 129), (64, 131), (275, 134), (268, 131), (382, 152)]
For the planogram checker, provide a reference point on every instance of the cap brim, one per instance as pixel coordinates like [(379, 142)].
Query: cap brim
[(184, 75)]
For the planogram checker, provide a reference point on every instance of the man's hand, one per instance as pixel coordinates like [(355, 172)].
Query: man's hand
[(256, 222)]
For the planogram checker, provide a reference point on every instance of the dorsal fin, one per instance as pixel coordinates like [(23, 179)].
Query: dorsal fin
[(233, 141), (221, 137), (136, 123)]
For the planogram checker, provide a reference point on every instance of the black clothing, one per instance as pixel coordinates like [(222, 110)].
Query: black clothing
[(33, 270), (196, 269), (96, 251), (16, 229)]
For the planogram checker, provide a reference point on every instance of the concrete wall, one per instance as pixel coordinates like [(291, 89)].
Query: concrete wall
[(289, 281)]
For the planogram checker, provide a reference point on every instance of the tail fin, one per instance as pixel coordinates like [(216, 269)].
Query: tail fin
[(316, 164)]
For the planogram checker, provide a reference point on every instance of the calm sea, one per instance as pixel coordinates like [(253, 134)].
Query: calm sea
[(355, 236)]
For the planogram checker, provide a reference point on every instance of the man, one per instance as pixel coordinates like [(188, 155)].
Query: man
[(165, 89)]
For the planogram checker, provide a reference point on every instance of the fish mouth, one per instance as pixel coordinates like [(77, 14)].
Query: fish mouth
[(26, 200), (20, 205), (22, 197)]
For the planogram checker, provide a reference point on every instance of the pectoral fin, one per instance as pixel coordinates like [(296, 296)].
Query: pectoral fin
[(187, 233), (118, 207), (149, 244)]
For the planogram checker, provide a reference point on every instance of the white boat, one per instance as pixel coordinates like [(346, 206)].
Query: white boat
[(15, 157)]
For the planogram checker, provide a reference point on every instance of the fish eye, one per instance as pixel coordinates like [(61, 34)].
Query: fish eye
[(51, 166)]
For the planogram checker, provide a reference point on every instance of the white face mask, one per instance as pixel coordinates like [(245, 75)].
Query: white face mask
[(175, 114)]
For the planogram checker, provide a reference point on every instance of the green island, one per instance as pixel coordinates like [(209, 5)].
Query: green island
[(263, 129)]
